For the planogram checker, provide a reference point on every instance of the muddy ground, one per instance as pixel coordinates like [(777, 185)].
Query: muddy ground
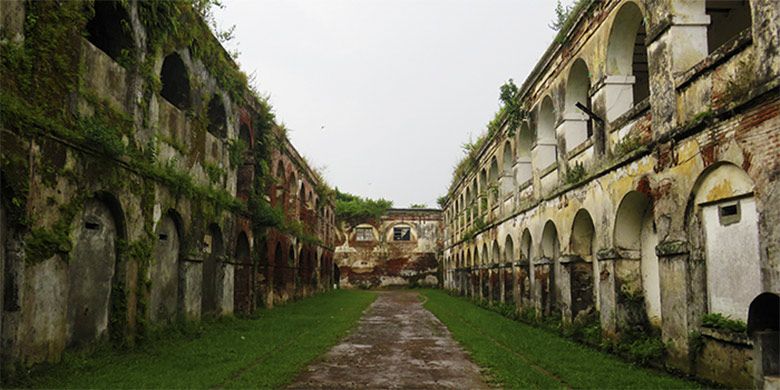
[(397, 344)]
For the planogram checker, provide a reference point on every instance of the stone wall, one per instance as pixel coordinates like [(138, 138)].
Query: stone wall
[(401, 249), (136, 188)]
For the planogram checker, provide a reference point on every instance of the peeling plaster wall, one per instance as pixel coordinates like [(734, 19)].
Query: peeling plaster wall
[(385, 262), (709, 132)]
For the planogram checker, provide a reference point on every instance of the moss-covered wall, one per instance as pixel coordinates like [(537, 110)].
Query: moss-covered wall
[(84, 120)]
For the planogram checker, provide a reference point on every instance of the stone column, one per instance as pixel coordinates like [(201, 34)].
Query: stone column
[(563, 286), (679, 291), (190, 278), (617, 93), (574, 129)]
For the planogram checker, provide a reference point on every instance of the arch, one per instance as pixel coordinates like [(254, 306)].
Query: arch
[(214, 249), (175, 81), (525, 141), (92, 269), (509, 249), (728, 19), (242, 277), (583, 235), (493, 180), (485, 258), (725, 208), (546, 143), (578, 125), (165, 271), (550, 242), (109, 29), (546, 120), (217, 117), (495, 253), (627, 53), (526, 246), (764, 313), (636, 236), (508, 158), (245, 134)]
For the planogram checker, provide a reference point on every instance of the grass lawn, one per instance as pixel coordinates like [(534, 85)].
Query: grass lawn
[(516, 355), (266, 352)]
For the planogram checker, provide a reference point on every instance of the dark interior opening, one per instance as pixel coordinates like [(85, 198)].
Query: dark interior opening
[(175, 82), (728, 18), (764, 313), (217, 117), (109, 29), (640, 66)]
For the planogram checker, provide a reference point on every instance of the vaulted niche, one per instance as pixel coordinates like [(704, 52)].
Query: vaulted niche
[(175, 82), (217, 117), (109, 29), (728, 18)]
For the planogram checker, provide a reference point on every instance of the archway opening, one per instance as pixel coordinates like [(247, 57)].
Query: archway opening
[(217, 117), (636, 237), (109, 29), (175, 82)]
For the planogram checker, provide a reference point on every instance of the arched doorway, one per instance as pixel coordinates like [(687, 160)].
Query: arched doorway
[(91, 273), (165, 272)]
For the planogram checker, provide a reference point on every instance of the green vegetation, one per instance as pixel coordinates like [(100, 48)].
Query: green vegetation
[(354, 209), (418, 206), (626, 145), (517, 355), (721, 322), (265, 351), (565, 17), (575, 173), (509, 116)]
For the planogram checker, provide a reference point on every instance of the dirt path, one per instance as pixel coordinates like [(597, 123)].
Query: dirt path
[(397, 344)]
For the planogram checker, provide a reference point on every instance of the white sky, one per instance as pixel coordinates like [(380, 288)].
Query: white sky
[(399, 85)]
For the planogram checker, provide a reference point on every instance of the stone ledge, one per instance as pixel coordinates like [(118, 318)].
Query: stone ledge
[(740, 339)]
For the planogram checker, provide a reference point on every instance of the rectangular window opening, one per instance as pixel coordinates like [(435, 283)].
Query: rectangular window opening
[(402, 234), (163, 237), (91, 225), (364, 234), (729, 213)]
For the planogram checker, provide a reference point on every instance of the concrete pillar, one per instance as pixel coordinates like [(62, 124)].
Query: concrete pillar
[(617, 93), (543, 153), (574, 129), (190, 277), (523, 170), (563, 286), (682, 299)]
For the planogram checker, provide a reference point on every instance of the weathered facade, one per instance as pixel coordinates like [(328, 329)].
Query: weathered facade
[(653, 205), (400, 249), (137, 181)]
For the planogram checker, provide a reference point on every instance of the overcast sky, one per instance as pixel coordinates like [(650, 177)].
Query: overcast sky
[(398, 85)]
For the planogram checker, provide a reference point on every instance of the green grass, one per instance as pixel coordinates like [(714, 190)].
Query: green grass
[(265, 352), (516, 355)]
